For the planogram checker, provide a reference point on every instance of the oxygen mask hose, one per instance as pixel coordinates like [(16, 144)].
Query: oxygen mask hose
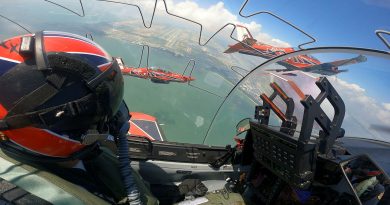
[(133, 193)]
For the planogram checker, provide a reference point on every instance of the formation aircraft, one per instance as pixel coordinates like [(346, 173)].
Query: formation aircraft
[(146, 126), (306, 63), (155, 75)]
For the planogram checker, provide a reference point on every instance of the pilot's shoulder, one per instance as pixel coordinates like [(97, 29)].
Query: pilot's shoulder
[(24, 184), (12, 194)]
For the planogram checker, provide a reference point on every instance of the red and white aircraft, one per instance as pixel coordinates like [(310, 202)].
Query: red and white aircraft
[(156, 75), (146, 126), (249, 45)]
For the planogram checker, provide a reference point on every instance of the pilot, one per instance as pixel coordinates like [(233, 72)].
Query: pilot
[(367, 180), (62, 124)]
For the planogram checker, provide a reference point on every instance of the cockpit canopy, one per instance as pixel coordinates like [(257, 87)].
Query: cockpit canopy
[(362, 86)]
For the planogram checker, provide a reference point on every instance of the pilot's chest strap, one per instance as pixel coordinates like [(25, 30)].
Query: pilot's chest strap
[(45, 185), (105, 169)]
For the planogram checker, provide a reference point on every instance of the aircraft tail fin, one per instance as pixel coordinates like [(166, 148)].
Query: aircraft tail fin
[(244, 37), (243, 33)]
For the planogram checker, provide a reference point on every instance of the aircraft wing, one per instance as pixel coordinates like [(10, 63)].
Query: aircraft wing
[(279, 70), (244, 44), (358, 59), (338, 63), (234, 48)]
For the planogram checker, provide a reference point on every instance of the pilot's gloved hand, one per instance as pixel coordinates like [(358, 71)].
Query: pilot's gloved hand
[(384, 199), (372, 195)]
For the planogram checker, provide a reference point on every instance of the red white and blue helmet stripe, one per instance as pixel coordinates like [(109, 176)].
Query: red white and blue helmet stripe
[(6, 64), (9, 55), (22, 80), (55, 41)]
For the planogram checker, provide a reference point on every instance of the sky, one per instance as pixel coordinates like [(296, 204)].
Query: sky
[(341, 23), (332, 23)]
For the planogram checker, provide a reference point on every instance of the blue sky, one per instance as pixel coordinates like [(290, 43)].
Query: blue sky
[(335, 23), (332, 22)]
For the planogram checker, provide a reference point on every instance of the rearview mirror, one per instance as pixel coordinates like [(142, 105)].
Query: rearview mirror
[(242, 126)]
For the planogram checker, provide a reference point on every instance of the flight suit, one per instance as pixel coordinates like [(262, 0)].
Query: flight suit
[(41, 182)]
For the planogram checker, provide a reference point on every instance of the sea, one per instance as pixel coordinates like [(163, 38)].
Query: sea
[(199, 113)]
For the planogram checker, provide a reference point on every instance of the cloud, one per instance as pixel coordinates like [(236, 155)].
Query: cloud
[(351, 86), (255, 30), (217, 15), (379, 3), (386, 106), (212, 17), (362, 110)]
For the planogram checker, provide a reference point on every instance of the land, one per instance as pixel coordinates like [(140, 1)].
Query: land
[(183, 42)]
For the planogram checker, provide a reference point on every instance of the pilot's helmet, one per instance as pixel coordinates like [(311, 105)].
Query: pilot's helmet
[(55, 88)]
